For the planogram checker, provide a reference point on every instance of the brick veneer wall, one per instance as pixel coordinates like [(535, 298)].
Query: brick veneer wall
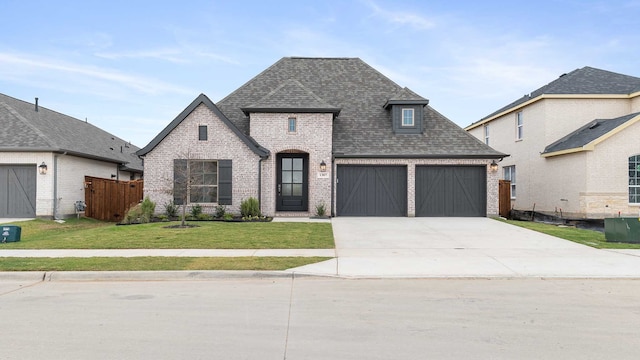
[(183, 143), (492, 177), (313, 136)]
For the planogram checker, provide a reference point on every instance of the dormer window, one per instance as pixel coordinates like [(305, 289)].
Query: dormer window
[(407, 117)]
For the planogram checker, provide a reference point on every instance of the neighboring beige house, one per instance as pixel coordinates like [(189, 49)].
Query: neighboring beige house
[(313, 131), (574, 145), (45, 155)]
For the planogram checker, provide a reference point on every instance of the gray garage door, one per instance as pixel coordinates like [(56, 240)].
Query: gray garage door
[(371, 191), (451, 191), (17, 191)]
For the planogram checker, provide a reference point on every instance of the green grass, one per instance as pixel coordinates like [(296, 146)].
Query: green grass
[(92, 234), (591, 238), (154, 263)]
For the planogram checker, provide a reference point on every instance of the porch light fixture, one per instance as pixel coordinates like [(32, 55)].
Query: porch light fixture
[(42, 169), (493, 166), (323, 166)]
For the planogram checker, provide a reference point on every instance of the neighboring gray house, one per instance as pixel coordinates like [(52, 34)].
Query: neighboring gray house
[(332, 131), (45, 155), (574, 145)]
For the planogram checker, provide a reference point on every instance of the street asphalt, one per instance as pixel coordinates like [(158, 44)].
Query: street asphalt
[(406, 248)]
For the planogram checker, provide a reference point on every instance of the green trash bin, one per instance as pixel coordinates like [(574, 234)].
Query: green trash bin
[(10, 233), (622, 229)]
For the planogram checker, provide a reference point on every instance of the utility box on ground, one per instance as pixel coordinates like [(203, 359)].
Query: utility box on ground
[(622, 229), (10, 233)]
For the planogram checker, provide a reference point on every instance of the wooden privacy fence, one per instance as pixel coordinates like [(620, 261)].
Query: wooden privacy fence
[(504, 197), (109, 200)]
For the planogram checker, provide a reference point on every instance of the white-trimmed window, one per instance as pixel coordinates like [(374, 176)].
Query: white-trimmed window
[(519, 125), (509, 173), (634, 179), (292, 125), (486, 134), (407, 117)]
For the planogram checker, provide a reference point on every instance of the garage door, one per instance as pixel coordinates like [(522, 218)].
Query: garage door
[(17, 191), (371, 191), (451, 191)]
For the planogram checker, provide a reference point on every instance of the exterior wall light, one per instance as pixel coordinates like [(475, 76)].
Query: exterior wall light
[(42, 169), (493, 166), (323, 166)]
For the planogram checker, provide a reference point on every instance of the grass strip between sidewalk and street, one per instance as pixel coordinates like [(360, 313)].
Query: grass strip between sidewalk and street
[(155, 263), (91, 234), (591, 238)]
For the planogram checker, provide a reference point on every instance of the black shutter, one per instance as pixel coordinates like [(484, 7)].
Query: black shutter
[(179, 180), (225, 179)]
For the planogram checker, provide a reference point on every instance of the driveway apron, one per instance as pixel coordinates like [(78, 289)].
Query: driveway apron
[(462, 247)]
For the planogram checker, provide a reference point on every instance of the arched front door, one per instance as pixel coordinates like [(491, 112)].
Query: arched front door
[(292, 186)]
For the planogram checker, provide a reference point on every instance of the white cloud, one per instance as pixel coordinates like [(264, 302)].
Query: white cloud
[(167, 54), (401, 18), (69, 73)]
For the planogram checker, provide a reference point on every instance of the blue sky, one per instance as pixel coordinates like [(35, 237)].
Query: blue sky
[(130, 67)]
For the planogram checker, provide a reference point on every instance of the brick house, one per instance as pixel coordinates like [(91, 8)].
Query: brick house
[(45, 156), (573, 144), (332, 131)]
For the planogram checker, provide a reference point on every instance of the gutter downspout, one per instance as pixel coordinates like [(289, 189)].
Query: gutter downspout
[(260, 182), (55, 186)]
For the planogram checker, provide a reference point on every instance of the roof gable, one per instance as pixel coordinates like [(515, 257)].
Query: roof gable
[(292, 96), (363, 126), (587, 136), (203, 99), (27, 127)]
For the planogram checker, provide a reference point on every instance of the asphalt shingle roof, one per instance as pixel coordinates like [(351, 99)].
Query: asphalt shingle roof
[(588, 133), (584, 81), (25, 129), (363, 127)]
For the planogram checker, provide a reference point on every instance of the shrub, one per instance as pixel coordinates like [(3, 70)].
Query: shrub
[(196, 210), (250, 207), (147, 207), (163, 217), (171, 209), (134, 214), (228, 217), (221, 211), (321, 209), (203, 216)]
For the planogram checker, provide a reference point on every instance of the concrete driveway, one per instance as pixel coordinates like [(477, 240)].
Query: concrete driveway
[(462, 247)]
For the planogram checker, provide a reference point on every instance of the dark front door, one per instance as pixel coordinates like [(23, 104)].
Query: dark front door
[(292, 182)]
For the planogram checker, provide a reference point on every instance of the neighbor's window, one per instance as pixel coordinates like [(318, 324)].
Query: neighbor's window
[(634, 179), (510, 174), (202, 132), (292, 125), (486, 134), (197, 182), (407, 117), (519, 124)]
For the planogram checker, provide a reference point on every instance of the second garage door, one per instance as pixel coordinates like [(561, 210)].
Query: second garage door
[(451, 191), (371, 190)]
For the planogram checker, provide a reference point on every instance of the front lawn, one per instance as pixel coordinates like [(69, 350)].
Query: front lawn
[(591, 238), (91, 234)]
